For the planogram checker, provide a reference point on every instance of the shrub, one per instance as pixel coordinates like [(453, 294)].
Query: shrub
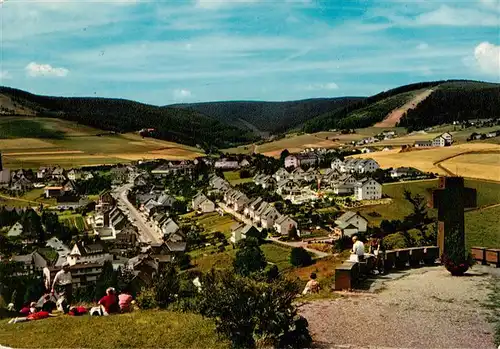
[(146, 299), (395, 241), (344, 243), (299, 257), (166, 286), (247, 311)]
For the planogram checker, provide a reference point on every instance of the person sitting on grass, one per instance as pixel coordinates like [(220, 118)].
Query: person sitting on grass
[(48, 304), (33, 316), (77, 311), (108, 303), (125, 301), (312, 285)]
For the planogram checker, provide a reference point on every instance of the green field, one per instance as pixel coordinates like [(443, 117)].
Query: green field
[(482, 228), (277, 254), (68, 144), (73, 221), (141, 329), (233, 177), (488, 193)]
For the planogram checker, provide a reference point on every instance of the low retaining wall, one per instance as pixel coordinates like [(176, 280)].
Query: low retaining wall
[(347, 275), (486, 256)]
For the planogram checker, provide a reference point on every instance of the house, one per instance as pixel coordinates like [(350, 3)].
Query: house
[(53, 191), (169, 227), (57, 174), (88, 253), (236, 199), (336, 164), (311, 175), (439, 142), (218, 184), (281, 174), (69, 186), (244, 163), (252, 207), (43, 172), (404, 172), (16, 230), (284, 224), (447, 137), (344, 185), (387, 148), (70, 202), (368, 189), (126, 237), (241, 232), (22, 184), (74, 175), (31, 262), (227, 164), (367, 150), (298, 160), (268, 217), (265, 181), (203, 204), (423, 144), (330, 176), (354, 218), (359, 166)]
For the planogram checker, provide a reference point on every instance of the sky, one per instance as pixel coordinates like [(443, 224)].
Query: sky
[(172, 51)]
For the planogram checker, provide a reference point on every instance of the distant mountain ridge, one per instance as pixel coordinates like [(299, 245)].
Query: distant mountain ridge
[(120, 115), (269, 117)]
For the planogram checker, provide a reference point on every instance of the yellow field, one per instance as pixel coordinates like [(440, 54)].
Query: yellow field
[(429, 160), (81, 145), (475, 165)]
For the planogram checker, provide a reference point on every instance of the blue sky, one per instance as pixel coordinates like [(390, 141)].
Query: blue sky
[(164, 52)]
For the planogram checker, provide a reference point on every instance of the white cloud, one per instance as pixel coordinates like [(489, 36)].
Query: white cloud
[(451, 16), (487, 57), (423, 46), (319, 87), (182, 94), (35, 70), (4, 74)]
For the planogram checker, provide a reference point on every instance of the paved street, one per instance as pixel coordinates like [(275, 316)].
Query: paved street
[(146, 233)]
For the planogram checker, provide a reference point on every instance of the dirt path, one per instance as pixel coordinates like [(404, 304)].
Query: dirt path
[(394, 116), (427, 308)]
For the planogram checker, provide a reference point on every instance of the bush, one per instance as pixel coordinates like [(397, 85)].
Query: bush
[(146, 299), (166, 286), (395, 241), (248, 311), (299, 257), (245, 174)]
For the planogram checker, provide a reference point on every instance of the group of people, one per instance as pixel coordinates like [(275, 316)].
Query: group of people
[(376, 249), (60, 297)]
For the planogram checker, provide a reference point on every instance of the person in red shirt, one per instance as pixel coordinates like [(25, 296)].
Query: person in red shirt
[(77, 311), (109, 301), (34, 316)]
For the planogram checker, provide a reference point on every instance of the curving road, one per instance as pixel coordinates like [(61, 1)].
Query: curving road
[(146, 233)]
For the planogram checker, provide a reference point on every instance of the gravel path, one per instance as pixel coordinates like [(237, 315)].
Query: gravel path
[(427, 308)]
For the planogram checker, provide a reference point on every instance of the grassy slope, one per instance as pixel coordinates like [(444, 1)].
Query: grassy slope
[(143, 329)]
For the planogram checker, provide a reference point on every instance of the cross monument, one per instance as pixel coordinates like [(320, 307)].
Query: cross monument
[(450, 199)]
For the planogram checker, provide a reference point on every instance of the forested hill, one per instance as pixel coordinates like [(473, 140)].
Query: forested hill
[(172, 124), (451, 100), (274, 117), (455, 101)]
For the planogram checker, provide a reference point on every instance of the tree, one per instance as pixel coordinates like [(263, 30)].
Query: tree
[(249, 257), (299, 257), (166, 285), (293, 234), (32, 226), (245, 173), (108, 278), (283, 156), (419, 216), (184, 261)]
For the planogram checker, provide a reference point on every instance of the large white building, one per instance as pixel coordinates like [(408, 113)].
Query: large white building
[(359, 166), (368, 189), (297, 160)]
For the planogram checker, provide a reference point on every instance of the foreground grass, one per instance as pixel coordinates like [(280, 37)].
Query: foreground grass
[(143, 329)]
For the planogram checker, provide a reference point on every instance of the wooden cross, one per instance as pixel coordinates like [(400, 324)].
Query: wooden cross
[(450, 199)]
